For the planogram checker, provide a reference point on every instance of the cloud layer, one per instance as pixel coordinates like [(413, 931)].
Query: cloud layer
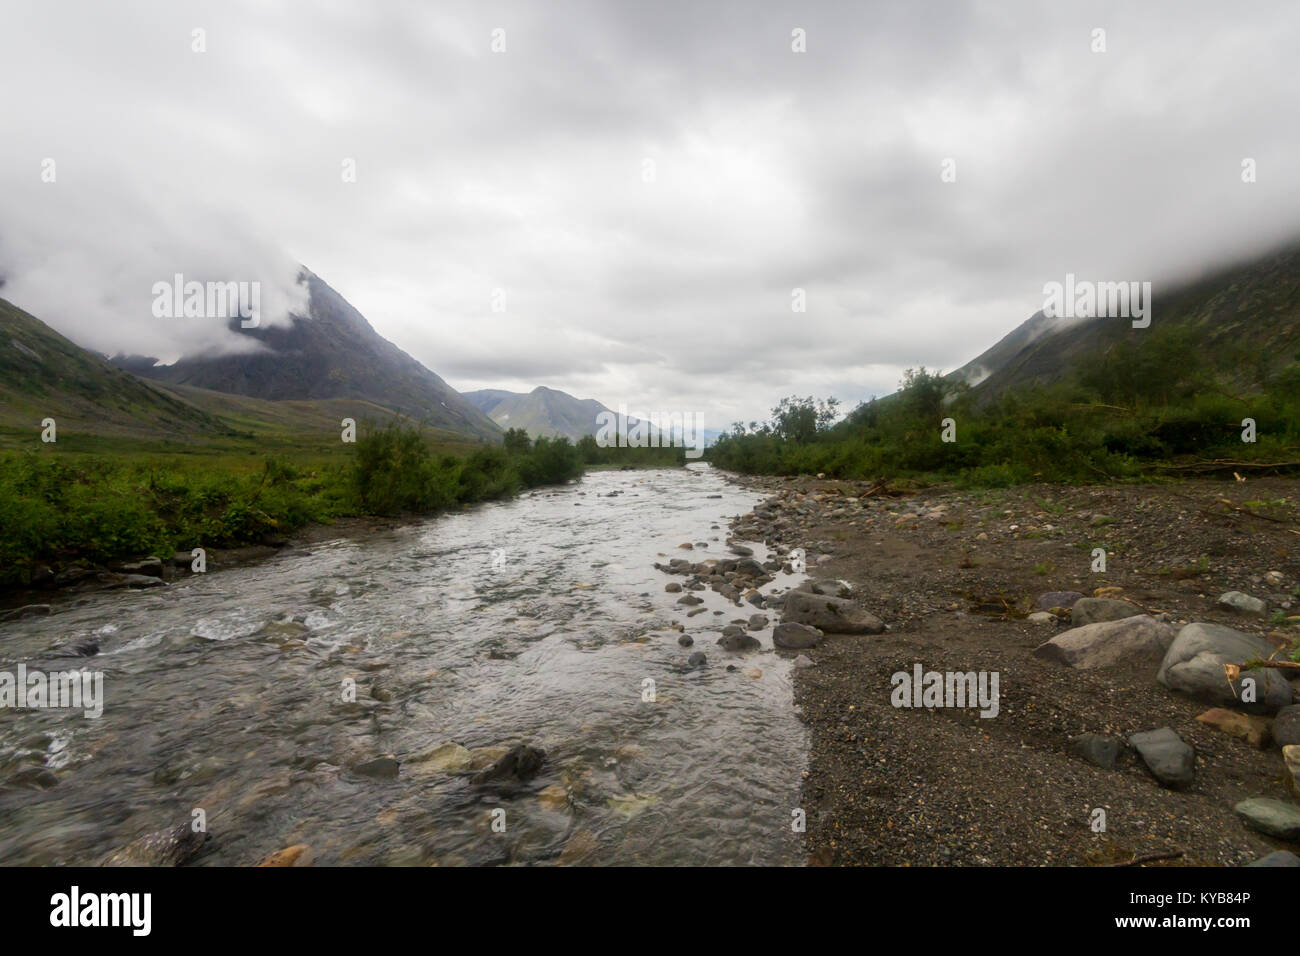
[(642, 187)]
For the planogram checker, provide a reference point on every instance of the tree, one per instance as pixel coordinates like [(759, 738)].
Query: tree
[(517, 441)]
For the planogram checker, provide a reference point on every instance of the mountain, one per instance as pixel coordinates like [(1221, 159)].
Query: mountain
[(1242, 319), (44, 375), (543, 411), (331, 353)]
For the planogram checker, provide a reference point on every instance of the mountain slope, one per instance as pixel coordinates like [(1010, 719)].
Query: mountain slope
[(541, 412), (1243, 320), (331, 353), (43, 374)]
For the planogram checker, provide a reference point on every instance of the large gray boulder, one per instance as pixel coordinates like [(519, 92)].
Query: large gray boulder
[(1194, 665), (1167, 756), (1094, 610), (1286, 726), (1105, 644), (832, 614)]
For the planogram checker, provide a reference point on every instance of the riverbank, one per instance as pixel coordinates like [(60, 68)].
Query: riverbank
[(955, 577)]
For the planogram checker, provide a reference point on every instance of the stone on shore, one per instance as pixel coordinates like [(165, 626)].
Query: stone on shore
[(1194, 665), (1065, 599), (830, 614), (1291, 761), (1242, 603), (1095, 610), (1097, 749), (1253, 730), (1286, 725), (1166, 755), (1107, 643), (1275, 818), (1277, 858)]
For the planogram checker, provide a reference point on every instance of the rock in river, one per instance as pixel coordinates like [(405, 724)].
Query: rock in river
[(796, 636), (520, 763), (162, 848), (1167, 756)]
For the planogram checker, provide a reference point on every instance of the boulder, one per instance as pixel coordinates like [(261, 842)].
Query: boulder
[(831, 614), (1051, 599), (1253, 730), (1194, 665), (698, 659), (1094, 610), (1166, 755), (1107, 643), (1275, 818), (1286, 725), (795, 636), (1291, 763)]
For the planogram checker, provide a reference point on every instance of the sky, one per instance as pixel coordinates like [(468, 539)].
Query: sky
[(628, 201)]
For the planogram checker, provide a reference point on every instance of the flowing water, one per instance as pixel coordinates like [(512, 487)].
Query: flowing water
[(538, 620)]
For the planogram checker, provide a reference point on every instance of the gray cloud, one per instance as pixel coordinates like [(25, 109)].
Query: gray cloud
[(523, 171)]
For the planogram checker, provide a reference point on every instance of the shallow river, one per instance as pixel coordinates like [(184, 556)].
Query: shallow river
[(536, 620)]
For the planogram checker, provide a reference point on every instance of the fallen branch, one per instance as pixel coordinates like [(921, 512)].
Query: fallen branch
[(1148, 858)]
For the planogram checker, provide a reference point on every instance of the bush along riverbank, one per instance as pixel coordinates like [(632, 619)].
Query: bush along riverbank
[(1122, 623), (131, 521), (1130, 413)]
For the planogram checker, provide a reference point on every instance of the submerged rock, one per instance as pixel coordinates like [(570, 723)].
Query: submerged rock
[(172, 847), (520, 762)]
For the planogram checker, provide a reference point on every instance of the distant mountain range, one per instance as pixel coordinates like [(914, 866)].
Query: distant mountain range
[(331, 353), (542, 412)]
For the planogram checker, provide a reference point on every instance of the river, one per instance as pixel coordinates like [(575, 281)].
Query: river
[(537, 620)]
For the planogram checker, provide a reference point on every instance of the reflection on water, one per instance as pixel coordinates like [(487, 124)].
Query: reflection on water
[(535, 620)]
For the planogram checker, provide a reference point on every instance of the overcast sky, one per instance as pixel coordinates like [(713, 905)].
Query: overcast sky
[(526, 171)]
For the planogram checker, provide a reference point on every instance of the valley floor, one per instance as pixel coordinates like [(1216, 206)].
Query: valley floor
[(953, 575)]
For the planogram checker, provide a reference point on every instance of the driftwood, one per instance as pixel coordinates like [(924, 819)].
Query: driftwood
[(1226, 464), (1149, 858)]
